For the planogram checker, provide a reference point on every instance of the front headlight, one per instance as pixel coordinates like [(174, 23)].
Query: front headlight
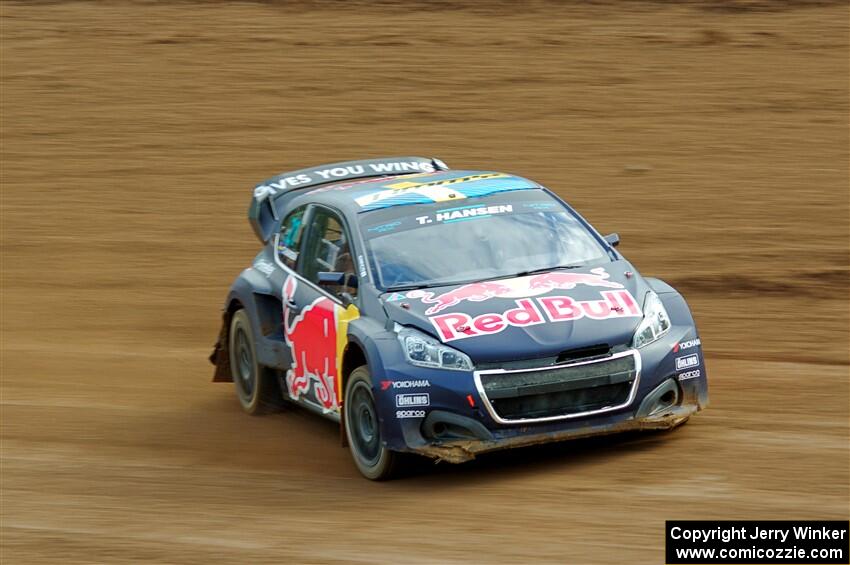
[(655, 321), (425, 351)]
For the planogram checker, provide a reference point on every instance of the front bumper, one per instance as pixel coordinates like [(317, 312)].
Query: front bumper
[(460, 451), (413, 405)]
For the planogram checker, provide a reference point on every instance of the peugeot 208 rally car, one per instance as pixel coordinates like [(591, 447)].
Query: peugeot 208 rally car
[(449, 313)]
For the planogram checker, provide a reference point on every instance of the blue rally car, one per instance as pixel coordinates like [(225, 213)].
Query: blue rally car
[(449, 313)]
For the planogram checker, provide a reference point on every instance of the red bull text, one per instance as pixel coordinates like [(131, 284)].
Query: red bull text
[(530, 312)]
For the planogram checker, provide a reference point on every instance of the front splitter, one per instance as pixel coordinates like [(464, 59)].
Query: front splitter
[(460, 451)]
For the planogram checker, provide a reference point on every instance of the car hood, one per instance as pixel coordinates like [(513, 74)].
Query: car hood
[(531, 316)]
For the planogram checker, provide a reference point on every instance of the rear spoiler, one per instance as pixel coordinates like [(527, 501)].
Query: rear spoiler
[(263, 215)]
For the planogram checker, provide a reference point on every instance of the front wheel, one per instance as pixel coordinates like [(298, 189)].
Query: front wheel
[(363, 430)]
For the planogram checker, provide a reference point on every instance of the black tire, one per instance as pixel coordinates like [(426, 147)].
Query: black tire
[(363, 430), (256, 386)]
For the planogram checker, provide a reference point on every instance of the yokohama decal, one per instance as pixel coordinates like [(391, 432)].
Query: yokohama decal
[(533, 311)]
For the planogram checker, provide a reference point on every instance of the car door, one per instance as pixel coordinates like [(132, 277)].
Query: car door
[(276, 262), (314, 319)]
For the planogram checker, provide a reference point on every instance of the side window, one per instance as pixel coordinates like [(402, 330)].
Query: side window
[(327, 249), (290, 237)]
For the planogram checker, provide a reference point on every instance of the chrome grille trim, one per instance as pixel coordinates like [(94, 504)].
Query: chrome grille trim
[(490, 410)]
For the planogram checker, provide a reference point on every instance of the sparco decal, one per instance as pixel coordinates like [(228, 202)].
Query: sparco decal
[(522, 287), (687, 362), (317, 336), (412, 400), (395, 385), (530, 312), (689, 375), (409, 413), (686, 345)]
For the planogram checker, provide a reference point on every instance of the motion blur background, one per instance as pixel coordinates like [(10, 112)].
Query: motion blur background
[(713, 136)]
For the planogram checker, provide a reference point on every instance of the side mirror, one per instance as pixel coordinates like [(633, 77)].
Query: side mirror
[(612, 239), (339, 280), (334, 278)]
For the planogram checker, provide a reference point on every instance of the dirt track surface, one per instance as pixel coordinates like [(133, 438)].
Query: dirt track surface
[(714, 141)]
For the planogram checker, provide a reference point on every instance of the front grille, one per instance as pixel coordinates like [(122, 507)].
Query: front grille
[(561, 392)]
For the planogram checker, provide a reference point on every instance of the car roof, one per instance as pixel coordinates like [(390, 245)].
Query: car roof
[(355, 197)]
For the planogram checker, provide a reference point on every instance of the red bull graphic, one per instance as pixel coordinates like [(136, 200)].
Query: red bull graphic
[(530, 312), (317, 336), (476, 292), (566, 281), (522, 287)]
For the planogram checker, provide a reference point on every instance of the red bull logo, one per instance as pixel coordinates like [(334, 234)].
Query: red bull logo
[(566, 281), (530, 312), (522, 287), (317, 336), (475, 292)]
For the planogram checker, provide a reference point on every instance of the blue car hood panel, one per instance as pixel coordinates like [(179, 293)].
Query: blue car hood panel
[(528, 317)]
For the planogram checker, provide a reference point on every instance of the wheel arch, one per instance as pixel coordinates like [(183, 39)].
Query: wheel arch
[(220, 357), (361, 349), (358, 351), (238, 297), (354, 356)]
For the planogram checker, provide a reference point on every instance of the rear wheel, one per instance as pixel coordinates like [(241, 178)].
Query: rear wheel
[(256, 386), (363, 430)]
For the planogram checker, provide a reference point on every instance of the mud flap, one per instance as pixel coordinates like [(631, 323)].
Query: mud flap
[(220, 356)]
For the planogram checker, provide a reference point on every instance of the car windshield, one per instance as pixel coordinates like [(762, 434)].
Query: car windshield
[(490, 237)]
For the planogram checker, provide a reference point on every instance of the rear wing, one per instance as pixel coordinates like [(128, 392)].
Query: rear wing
[(263, 215)]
